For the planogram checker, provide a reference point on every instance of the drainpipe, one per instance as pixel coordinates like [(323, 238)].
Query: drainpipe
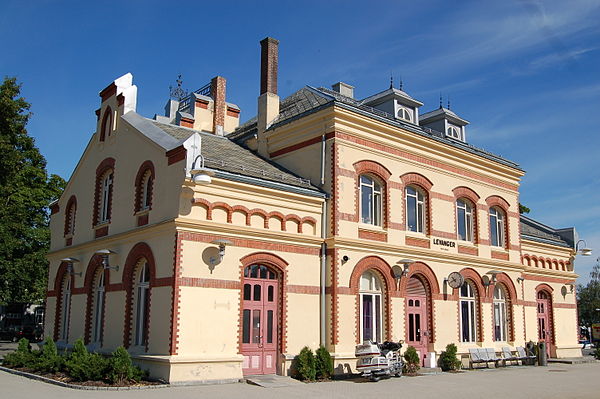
[(323, 160), (322, 303)]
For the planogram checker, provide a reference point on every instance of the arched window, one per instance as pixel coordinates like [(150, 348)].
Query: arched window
[(371, 299), (106, 126), (454, 132), (415, 209), (146, 190), (142, 288), (497, 231), (106, 186), (464, 220), (500, 314), (370, 201), (144, 183), (65, 316), (405, 113), (468, 312), (98, 298), (70, 216)]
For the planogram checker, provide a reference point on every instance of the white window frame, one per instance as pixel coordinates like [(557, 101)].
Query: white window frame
[(419, 212), (500, 314), (142, 291), (470, 299), (405, 113), (98, 308), (374, 291), (66, 309), (455, 132), (107, 182), (374, 207), (497, 222), (467, 220)]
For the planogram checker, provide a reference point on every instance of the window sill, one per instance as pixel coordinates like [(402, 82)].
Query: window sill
[(142, 212), (371, 227), (101, 224), (415, 234)]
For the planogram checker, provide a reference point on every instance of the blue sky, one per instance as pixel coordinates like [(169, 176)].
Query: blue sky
[(526, 74)]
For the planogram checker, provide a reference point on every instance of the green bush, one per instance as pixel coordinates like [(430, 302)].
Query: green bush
[(22, 357), (323, 363), (49, 360), (84, 366), (306, 364), (411, 361), (448, 359), (596, 352), (121, 369)]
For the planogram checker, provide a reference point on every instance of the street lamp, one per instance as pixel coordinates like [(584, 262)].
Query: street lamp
[(70, 268), (585, 251)]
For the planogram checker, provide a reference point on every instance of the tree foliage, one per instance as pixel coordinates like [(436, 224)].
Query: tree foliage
[(588, 298), (26, 190), (523, 209)]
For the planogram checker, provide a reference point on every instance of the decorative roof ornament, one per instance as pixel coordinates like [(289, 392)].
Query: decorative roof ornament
[(401, 83), (448, 101), (177, 93), (440, 100), (391, 81)]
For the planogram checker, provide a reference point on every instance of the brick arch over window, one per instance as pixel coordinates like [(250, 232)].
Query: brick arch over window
[(382, 174), (509, 287), (473, 198), (70, 214), (88, 288), (139, 251), (420, 181), (424, 273), (475, 279), (385, 271), (146, 167), (106, 122), (58, 287), (106, 165), (501, 203), (495, 200), (280, 265), (466, 192)]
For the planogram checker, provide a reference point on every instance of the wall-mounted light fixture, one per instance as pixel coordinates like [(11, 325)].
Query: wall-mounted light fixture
[(200, 174), (492, 279), (585, 251), (222, 243), (70, 268), (571, 287), (401, 268), (520, 279), (345, 259), (106, 253)]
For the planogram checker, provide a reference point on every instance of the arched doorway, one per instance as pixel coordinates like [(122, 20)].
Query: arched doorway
[(544, 317), (417, 334), (260, 319)]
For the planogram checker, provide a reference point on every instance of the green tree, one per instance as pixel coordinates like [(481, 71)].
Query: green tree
[(523, 209), (588, 298), (26, 190)]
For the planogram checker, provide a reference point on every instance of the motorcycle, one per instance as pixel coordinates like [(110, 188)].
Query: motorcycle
[(379, 360)]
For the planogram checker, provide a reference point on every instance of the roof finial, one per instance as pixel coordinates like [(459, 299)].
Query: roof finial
[(177, 93), (440, 100), (448, 101), (391, 80), (401, 83)]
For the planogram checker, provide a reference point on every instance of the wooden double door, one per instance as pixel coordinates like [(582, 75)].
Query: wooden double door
[(544, 318), (417, 322), (260, 320)]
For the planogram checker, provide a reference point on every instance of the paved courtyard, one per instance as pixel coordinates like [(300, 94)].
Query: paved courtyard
[(556, 381)]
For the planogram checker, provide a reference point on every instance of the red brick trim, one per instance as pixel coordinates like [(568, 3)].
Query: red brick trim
[(365, 167), (382, 174), (334, 290), (107, 118), (147, 166), (502, 204), (416, 179), (417, 242), (505, 281), (208, 283), (468, 250), (106, 165), (466, 192), (300, 145), (372, 235), (142, 220), (423, 160), (71, 204), (201, 104), (58, 288), (176, 154), (175, 295), (97, 112), (480, 296), (547, 279), (54, 208), (385, 271), (88, 286), (101, 232), (139, 251), (186, 122), (550, 291), (120, 99), (500, 255), (495, 200), (472, 197), (233, 112), (280, 266), (108, 91)]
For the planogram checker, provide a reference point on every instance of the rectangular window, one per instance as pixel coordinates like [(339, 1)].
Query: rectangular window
[(411, 213), (246, 327), (366, 204), (367, 317)]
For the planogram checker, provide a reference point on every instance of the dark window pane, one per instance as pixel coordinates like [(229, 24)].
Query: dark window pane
[(271, 275), (418, 326), (417, 303), (411, 327), (270, 292), (254, 271), (246, 327), (462, 229), (367, 317), (256, 327), (247, 292), (257, 292), (263, 272), (269, 326), (411, 213)]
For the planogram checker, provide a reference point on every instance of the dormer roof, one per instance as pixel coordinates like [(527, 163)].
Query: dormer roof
[(400, 95), (442, 113)]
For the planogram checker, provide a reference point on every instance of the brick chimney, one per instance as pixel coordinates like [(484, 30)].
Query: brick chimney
[(217, 90), (268, 102)]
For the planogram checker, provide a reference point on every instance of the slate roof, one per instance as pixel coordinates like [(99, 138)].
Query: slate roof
[(536, 231), (310, 99), (220, 153)]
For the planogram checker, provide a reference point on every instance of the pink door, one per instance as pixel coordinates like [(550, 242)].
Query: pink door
[(416, 317), (259, 320), (543, 315)]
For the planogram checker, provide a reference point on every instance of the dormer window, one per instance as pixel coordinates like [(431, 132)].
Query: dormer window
[(405, 113), (454, 132)]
